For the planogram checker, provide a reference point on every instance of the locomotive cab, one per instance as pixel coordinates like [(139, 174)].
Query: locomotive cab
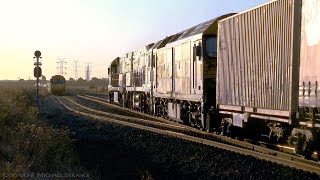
[(209, 70), (115, 87), (209, 77)]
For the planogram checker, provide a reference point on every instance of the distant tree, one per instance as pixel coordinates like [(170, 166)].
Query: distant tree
[(81, 81), (21, 80), (98, 82), (71, 80), (94, 79), (105, 82), (43, 79)]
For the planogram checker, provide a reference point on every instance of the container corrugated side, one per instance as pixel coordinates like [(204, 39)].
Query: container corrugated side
[(255, 58)]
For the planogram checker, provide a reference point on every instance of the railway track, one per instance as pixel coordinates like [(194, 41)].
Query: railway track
[(169, 128)]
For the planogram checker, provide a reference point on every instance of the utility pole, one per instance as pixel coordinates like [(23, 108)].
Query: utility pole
[(62, 69), (76, 67)]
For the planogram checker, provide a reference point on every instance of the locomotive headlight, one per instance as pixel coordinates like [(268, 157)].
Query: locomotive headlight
[(316, 155)]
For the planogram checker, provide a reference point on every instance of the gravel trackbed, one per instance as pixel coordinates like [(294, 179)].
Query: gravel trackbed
[(118, 152)]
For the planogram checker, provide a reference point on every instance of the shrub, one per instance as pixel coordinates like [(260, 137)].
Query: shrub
[(39, 148), (26, 143), (92, 87)]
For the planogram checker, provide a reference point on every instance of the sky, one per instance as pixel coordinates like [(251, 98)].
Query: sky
[(93, 31)]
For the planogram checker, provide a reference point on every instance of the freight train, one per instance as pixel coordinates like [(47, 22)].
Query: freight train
[(255, 73), (57, 85)]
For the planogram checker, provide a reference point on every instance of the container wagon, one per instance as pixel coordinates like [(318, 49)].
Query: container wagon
[(269, 73)]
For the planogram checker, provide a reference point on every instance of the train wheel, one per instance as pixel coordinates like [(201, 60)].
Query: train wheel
[(301, 144), (190, 120)]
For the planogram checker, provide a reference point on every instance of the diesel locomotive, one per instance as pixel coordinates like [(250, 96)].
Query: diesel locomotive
[(173, 78), (57, 85)]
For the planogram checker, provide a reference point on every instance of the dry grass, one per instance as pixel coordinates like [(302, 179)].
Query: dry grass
[(26, 143)]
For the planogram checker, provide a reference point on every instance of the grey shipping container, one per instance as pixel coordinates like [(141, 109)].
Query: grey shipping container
[(269, 60)]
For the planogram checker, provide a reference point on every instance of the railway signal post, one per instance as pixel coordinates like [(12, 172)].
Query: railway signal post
[(37, 71)]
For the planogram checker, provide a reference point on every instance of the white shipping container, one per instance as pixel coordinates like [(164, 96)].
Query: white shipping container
[(261, 61), (310, 54)]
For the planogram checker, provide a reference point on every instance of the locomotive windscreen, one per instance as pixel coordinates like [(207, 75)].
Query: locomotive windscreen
[(211, 47)]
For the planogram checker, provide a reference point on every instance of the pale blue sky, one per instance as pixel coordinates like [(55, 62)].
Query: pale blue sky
[(94, 31)]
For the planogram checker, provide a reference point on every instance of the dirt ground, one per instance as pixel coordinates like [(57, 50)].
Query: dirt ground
[(110, 151)]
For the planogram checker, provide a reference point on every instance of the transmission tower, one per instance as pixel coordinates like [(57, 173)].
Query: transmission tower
[(88, 71), (76, 67), (62, 67)]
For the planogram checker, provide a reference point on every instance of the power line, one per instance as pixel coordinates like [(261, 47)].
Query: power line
[(76, 67), (62, 69), (88, 70)]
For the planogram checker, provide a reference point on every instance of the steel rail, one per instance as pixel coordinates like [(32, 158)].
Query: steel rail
[(126, 117), (242, 144), (101, 101), (256, 151)]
